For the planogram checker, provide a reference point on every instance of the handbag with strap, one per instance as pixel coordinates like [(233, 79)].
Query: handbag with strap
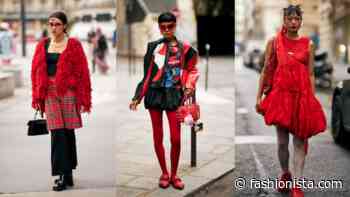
[(188, 108), (37, 126)]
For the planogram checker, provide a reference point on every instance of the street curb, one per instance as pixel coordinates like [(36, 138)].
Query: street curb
[(67, 192), (204, 186)]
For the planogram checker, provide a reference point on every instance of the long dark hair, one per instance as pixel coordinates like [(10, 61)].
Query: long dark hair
[(291, 9), (61, 16)]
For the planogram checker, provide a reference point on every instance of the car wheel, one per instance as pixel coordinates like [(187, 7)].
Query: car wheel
[(337, 130), (328, 82)]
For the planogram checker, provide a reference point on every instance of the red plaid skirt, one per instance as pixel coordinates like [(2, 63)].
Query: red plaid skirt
[(61, 111)]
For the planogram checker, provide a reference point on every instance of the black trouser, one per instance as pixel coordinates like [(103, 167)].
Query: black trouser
[(63, 151)]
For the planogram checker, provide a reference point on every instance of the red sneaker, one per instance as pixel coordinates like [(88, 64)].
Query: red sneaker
[(296, 192), (164, 181), (177, 183), (286, 176)]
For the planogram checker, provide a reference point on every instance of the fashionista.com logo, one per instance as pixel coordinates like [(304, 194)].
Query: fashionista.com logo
[(241, 183)]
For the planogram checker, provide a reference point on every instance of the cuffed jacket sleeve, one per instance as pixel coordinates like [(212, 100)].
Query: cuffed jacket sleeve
[(142, 85), (190, 73)]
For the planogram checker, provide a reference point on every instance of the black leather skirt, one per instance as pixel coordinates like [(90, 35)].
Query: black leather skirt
[(163, 98)]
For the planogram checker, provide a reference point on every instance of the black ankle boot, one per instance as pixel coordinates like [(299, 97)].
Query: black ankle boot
[(60, 184), (68, 179)]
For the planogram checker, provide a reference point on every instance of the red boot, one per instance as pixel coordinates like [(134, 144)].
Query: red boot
[(177, 183), (286, 176), (296, 192)]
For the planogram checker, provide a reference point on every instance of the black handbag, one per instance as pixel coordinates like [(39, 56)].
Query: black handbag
[(37, 126)]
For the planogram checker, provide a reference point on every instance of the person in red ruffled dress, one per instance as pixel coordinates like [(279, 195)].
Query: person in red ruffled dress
[(287, 81)]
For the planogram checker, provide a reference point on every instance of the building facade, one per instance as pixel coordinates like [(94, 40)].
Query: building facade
[(37, 12), (268, 18), (272, 16), (140, 33), (243, 19), (327, 28), (311, 17), (335, 29)]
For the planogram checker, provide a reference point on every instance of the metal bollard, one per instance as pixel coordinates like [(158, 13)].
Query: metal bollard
[(23, 23), (133, 64), (130, 49), (207, 49), (193, 147), (193, 140), (116, 58)]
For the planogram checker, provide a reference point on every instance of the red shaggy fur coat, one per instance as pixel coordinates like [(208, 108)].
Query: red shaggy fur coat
[(72, 72)]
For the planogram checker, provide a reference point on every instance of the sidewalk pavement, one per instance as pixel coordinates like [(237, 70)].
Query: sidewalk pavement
[(101, 192), (25, 161), (138, 170)]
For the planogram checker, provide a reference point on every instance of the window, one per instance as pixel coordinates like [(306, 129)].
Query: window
[(104, 17), (86, 18)]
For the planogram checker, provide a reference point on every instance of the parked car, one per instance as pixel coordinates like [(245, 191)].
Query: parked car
[(252, 55), (340, 115), (253, 59), (323, 70)]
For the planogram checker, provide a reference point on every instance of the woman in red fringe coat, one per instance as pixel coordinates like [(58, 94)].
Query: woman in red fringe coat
[(290, 103), (61, 89)]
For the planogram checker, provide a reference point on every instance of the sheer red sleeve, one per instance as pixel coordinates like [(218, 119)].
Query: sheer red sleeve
[(270, 66)]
